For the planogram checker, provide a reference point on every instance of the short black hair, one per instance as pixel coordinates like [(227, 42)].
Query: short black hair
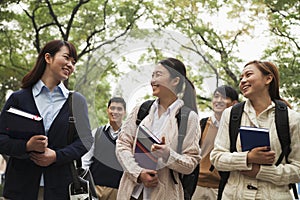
[(227, 91), (117, 100)]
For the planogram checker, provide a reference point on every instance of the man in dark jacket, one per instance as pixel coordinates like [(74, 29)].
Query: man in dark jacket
[(101, 159)]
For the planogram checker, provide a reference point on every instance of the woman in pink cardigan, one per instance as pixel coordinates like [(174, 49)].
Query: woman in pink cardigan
[(168, 82)]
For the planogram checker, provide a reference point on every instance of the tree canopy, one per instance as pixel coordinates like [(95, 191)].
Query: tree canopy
[(99, 30)]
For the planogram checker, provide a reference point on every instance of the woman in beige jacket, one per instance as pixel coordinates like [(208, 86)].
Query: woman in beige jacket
[(253, 174), (168, 80)]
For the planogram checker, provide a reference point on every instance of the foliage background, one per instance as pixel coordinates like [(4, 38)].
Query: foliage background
[(100, 30)]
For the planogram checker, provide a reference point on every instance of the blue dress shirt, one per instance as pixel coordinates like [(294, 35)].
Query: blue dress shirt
[(49, 103)]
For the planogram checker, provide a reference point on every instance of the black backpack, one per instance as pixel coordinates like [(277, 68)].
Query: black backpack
[(188, 181), (283, 131)]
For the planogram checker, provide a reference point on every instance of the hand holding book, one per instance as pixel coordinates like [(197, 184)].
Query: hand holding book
[(37, 143), (149, 178), (161, 150), (22, 125), (142, 153), (261, 155), (257, 142)]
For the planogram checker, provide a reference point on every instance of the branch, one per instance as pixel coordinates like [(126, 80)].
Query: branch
[(74, 11), (36, 43), (88, 43), (89, 38), (51, 12), (15, 66), (277, 32)]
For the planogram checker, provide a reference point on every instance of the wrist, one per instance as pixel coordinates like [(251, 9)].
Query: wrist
[(27, 147), (249, 158), (139, 179)]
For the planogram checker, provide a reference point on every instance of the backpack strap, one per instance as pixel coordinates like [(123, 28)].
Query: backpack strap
[(143, 111), (181, 116), (203, 122), (283, 132), (234, 124)]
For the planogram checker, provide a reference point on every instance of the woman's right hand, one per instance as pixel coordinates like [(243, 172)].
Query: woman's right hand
[(37, 143), (148, 178), (261, 155)]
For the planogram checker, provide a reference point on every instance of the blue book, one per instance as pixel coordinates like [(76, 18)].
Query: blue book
[(252, 137), (142, 153)]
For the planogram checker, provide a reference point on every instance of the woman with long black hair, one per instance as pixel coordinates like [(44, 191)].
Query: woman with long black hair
[(173, 90)]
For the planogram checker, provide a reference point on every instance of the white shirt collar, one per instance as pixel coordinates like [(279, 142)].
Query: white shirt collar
[(172, 107), (215, 121), (40, 85), (111, 131)]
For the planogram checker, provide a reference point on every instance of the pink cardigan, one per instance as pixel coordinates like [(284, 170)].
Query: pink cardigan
[(184, 163)]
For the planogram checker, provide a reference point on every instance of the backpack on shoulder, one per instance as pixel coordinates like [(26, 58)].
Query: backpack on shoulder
[(188, 181), (283, 131)]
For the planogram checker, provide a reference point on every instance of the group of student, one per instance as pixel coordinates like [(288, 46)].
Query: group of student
[(44, 159)]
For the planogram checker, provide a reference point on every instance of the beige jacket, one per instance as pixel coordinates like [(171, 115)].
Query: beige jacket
[(271, 181), (184, 163), (207, 178)]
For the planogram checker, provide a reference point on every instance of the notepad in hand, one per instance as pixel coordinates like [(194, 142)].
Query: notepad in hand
[(252, 137), (142, 152), (22, 125)]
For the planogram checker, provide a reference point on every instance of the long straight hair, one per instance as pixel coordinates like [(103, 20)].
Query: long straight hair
[(52, 47)]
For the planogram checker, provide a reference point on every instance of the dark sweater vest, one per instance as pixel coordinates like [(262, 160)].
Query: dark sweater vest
[(105, 167)]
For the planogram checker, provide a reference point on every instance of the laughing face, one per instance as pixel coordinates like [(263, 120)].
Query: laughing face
[(220, 102), (116, 112), (61, 65), (162, 84), (253, 83)]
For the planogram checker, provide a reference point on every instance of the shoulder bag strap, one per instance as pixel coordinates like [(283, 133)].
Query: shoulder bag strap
[(71, 132)]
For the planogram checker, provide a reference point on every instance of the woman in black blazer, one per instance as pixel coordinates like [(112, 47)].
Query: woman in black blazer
[(40, 156)]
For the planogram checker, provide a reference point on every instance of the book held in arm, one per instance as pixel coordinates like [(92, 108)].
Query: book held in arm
[(252, 137), (142, 152), (22, 125)]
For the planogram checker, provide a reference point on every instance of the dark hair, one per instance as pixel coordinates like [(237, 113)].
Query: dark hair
[(117, 100), (268, 68), (177, 69), (38, 70), (227, 91)]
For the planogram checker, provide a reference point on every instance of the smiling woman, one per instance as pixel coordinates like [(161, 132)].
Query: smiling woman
[(44, 158), (173, 91), (259, 172)]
